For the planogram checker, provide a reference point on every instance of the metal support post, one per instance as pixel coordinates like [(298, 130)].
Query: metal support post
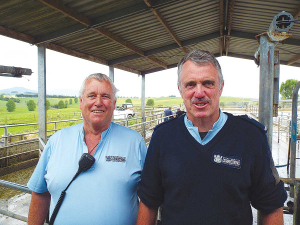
[(42, 94), (111, 73), (278, 129), (6, 136), (294, 136), (143, 105), (276, 83), (6, 143), (265, 115)]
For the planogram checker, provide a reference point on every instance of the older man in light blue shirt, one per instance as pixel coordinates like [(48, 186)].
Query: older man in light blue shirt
[(104, 194)]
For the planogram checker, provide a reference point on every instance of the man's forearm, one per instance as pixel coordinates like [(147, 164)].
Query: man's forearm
[(146, 215), (39, 207), (273, 218)]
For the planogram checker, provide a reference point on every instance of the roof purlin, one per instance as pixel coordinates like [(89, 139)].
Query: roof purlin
[(165, 48), (101, 30)]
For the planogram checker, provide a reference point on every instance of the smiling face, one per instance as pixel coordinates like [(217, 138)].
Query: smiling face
[(97, 105), (200, 90)]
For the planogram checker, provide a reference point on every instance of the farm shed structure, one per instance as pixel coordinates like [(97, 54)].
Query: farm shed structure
[(145, 36)]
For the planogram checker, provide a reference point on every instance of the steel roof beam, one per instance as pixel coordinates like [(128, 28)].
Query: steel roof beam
[(169, 67), (57, 5), (221, 23), (127, 69), (216, 55), (103, 20), (252, 58), (60, 7), (129, 46), (29, 39), (157, 69), (292, 61), (166, 26), (296, 14), (123, 59), (229, 25), (77, 54), (241, 34), (165, 48), (129, 12), (16, 35)]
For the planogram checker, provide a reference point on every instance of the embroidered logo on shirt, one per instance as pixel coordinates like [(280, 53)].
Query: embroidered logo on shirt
[(225, 160), (115, 159)]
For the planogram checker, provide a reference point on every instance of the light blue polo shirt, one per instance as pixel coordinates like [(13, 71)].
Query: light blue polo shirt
[(106, 193), (211, 133)]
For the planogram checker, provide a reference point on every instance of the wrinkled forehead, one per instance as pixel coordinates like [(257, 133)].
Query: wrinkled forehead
[(94, 85), (191, 68)]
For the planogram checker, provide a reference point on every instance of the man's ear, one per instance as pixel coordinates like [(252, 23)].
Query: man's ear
[(179, 89), (221, 90), (80, 102)]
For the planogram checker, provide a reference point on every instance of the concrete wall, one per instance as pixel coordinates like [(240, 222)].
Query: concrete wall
[(22, 155)]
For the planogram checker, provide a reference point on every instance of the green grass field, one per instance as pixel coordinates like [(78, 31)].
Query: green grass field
[(21, 115)]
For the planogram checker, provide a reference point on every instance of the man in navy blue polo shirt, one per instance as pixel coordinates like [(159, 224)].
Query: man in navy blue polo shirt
[(208, 167)]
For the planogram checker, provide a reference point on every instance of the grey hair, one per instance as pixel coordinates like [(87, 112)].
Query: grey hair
[(200, 57), (100, 77)]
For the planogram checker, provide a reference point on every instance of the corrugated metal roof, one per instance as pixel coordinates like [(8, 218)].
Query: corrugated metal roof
[(144, 36)]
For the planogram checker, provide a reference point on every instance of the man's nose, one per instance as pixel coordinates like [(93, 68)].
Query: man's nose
[(199, 91), (98, 101)]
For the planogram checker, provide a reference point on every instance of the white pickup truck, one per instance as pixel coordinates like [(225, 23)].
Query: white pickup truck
[(121, 113)]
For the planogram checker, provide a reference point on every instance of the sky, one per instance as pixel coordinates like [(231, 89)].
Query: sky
[(241, 76)]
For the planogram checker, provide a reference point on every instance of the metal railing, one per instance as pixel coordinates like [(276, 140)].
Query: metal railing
[(144, 128), (125, 122)]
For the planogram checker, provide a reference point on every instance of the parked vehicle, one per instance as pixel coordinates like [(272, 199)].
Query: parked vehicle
[(127, 105), (122, 113)]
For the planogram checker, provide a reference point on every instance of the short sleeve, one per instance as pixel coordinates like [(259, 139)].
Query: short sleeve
[(37, 182)]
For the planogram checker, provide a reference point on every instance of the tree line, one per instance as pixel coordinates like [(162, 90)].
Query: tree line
[(150, 101), (31, 105), (47, 96)]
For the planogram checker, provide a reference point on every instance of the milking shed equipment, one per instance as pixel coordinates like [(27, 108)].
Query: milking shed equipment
[(268, 59)]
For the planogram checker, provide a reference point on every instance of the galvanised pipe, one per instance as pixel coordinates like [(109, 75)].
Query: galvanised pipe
[(265, 115), (15, 186), (294, 135)]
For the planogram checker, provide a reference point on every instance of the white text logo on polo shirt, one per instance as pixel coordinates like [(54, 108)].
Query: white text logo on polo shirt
[(225, 160), (115, 159)]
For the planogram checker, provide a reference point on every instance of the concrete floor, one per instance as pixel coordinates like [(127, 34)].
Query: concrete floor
[(18, 205)]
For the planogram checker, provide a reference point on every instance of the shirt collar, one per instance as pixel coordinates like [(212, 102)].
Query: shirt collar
[(103, 135), (217, 125)]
